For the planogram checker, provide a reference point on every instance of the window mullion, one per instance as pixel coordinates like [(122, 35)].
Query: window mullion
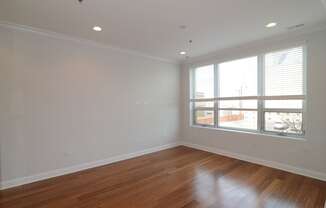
[(192, 95), (260, 89), (216, 95), (304, 103), (193, 84)]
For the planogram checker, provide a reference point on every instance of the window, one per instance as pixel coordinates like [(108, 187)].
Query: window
[(204, 82), (238, 79), (203, 85), (263, 93)]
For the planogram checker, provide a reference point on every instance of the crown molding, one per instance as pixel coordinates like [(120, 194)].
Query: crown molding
[(297, 35), (92, 43)]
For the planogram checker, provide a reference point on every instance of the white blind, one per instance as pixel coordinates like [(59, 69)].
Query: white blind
[(284, 72)]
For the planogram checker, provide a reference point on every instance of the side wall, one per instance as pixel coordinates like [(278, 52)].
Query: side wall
[(306, 156), (64, 103)]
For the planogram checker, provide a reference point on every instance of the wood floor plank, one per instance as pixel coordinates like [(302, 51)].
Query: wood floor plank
[(177, 177)]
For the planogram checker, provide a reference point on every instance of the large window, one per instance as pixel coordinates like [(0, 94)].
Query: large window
[(263, 93)]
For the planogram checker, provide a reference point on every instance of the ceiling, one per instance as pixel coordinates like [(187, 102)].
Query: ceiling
[(153, 26)]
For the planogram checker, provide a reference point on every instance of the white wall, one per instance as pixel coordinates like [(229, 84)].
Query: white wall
[(66, 102), (307, 155)]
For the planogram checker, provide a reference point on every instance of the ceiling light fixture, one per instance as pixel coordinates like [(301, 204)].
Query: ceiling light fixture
[(183, 53), (97, 28), (272, 24)]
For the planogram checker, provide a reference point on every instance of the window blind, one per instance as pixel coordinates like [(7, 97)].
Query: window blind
[(284, 72)]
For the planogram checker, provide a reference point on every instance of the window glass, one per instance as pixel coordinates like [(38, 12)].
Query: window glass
[(283, 122), (238, 78), (204, 104), (238, 119), (204, 82), (251, 104), (204, 117), (289, 104)]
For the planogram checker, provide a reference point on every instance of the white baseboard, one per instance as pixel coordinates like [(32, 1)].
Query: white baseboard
[(76, 168), (272, 164)]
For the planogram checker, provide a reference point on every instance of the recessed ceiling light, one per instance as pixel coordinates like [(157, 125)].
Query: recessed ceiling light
[(97, 28), (272, 24), (183, 53)]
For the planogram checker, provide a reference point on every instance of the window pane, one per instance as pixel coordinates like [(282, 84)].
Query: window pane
[(289, 104), (284, 72), (204, 82), (283, 122), (204, 117), (238, 104), (204, 104), (238, 78), (238, 119)]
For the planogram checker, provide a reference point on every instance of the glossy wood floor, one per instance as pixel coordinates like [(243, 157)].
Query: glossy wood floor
[(178, 177)]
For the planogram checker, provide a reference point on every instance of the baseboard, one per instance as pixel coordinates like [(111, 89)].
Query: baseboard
[(76, 168), (272, 164)]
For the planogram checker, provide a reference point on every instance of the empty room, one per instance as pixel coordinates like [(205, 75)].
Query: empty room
[(162, 103)]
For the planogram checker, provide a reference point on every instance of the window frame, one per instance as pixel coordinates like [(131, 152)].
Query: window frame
[(261, 98)]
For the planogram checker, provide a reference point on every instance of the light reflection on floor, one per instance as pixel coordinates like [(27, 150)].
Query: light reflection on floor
[(226, 192)]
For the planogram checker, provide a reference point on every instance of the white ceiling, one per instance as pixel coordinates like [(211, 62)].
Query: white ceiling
[(152, 26)]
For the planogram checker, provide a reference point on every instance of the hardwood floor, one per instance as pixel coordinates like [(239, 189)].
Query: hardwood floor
[(177, 177)]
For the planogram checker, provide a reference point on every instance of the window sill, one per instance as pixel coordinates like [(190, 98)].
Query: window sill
[(276, 136)]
